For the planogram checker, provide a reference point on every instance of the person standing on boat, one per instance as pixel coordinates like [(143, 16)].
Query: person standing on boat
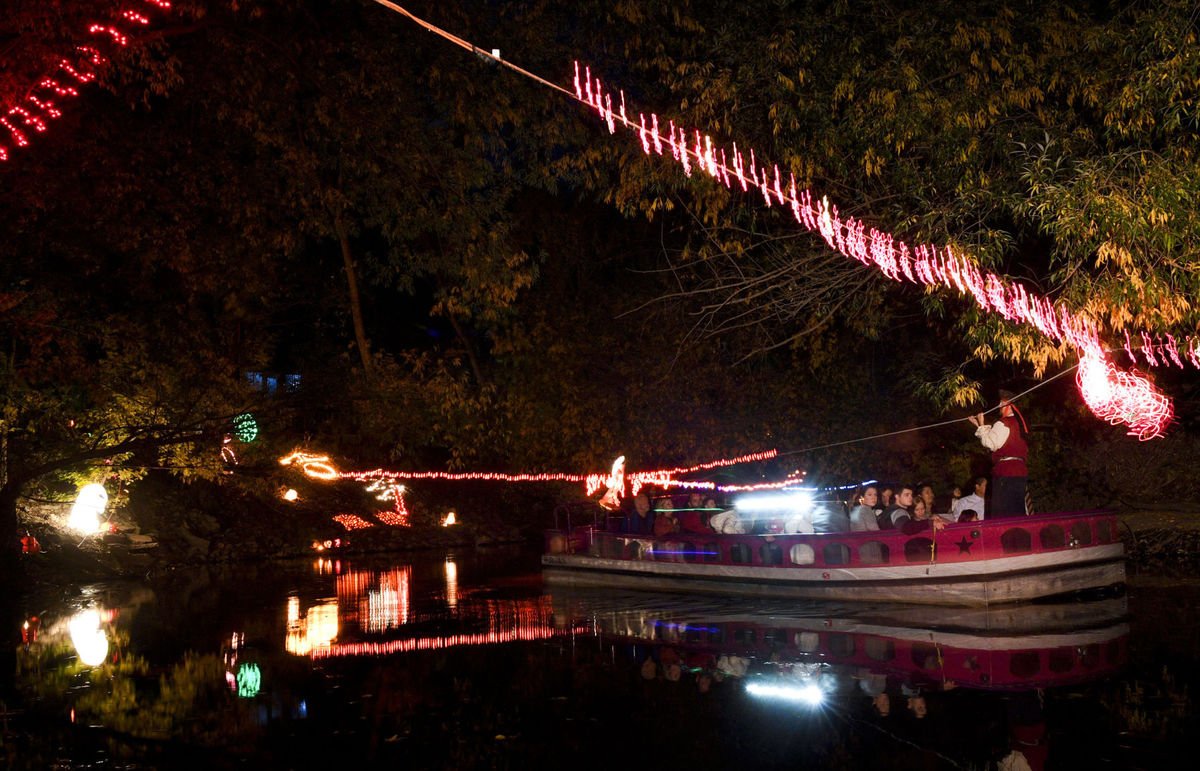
[(1006, 439)]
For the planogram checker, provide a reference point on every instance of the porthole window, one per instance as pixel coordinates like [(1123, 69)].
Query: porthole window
[(1016, 540), (802, 554), (770, 553), (880, 648), (1024, 664), (837, 554), (873, 553), (919, 550), (1081, 534), (1052, 537), (807, 642), (840, 644), (739, 553), (1061, 660)]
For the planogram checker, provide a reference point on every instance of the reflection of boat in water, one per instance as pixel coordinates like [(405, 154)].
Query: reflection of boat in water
[(1008, 648), (976, 563)]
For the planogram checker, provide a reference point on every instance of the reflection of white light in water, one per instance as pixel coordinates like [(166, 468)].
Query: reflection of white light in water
[(88, 638), (807, 694), (449, 520), (89, 505), (451, 583), (317, 629)]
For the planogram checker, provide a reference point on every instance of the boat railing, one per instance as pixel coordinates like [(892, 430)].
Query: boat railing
[(962, 542), (575, 525)]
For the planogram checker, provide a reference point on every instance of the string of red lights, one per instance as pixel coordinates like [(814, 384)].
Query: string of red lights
[(41, 103), (1118, 397), (1130, 399)]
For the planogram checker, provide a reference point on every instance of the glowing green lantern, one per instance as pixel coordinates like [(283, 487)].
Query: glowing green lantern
[(245, 427)]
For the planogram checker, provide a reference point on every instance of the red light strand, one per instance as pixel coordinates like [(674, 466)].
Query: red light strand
[(850, 237), (37, 109), (1129, 398)]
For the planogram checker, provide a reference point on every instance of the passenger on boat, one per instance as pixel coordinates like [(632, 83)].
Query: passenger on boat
[(728, 522), (862, 516), (802, 521), (831, 517), (898, 508), (925, 493), (641, 520), (693, 519), (1006, 438), (974, 501), (968, 515), (665, 522), (916, 522), (886, 494)]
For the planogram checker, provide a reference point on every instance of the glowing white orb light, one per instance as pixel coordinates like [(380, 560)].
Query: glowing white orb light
[(89, 505), (449, 520), (88, 638), (291, 495), (796, 500)]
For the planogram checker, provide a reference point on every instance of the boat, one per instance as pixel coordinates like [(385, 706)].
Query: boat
[(983, 563)]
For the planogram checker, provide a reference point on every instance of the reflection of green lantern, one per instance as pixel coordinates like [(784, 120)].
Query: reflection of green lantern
[(249, 680), (245, 427)]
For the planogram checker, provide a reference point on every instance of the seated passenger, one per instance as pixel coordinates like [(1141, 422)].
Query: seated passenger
[(665, 522), (968, 515), (862, 515), (693, 519), (907, 523), (925, 493), (800, 521), (728, 522), (974, 500), (641, 519), (831, 517), (888, 520)]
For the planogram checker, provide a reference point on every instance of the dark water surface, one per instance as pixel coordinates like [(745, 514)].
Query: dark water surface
[(466, 660)]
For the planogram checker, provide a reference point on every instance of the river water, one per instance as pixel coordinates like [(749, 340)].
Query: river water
[(466, 660)]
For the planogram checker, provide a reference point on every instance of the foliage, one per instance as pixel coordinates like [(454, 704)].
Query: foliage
[(467, 270)]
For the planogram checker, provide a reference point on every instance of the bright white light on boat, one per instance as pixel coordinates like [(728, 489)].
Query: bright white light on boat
[(88, 638), (796, 500), (806, 694), (89, 505)]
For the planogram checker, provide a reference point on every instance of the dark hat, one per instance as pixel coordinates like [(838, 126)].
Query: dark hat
[(1006, 395)]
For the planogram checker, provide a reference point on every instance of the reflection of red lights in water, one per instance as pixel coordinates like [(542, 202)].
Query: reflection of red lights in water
[(437, 643), (381, 601), (381, 604)]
